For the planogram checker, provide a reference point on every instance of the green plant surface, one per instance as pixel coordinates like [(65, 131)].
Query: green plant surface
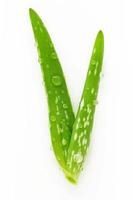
[(70, 137), (61, 115), (83, 124)]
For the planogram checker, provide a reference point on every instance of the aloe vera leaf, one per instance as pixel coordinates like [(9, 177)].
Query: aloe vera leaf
[(83, 124), (61, 115)]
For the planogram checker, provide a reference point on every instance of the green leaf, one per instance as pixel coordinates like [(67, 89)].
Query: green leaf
[(84, 120), (60, 109)]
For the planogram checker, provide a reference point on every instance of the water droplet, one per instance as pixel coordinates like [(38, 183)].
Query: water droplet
[(65, 153), (77, 126), (80, 125), (38, 22), (86, 124), (41, 30), (51, 44), (64, 142), (40, 60), (84, 119), (78, 119), (47, 66), (49, 92), (95, 72), (52, 118), (97, 64), (85, 132), (92, 90), (58, 129), (57, 107), (62, 91), (85, 109), (82, 104), (75, 136), (94, 50), (78, 157), (84, 141), (89, 72), (59, 97), (93, 62), (74, 169), (89, 110), (53, 55), (61, 128), (56, 80), (72, 152), (35, 28), (66, 114), (56, 100), (65, 106)]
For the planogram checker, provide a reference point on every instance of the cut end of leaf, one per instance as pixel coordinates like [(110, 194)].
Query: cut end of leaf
[(70, 178)]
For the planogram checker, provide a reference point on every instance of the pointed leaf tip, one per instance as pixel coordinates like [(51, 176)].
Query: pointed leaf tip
[(100, 35), (32, 13)]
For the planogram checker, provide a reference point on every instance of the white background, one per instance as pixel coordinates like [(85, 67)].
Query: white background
[(28, 169)]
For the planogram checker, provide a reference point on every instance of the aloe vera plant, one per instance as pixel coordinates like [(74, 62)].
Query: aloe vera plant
[(70, 137)]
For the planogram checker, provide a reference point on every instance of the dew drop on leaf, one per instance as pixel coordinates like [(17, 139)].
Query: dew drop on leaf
[(62, 91), (47, 66), (93, 62), (79, 157), (52, 118), (56, 80), (80, 125), (92, 90), (65, 106), (64, 142), (53, 55), (49, 92)]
